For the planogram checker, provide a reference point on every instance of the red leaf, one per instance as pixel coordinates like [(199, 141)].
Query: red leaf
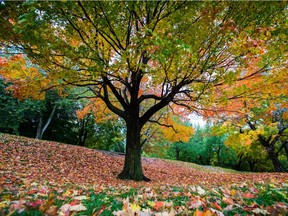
[(75, 202), (31, 192), (34, 205), (248, 195)]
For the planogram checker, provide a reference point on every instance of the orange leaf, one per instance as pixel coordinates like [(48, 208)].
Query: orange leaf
[(198, 213), (217, 206), (207, 213), (158, 205)]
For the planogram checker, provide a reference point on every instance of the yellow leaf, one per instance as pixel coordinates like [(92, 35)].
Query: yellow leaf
[(151, 203), (3, 204), (6, 197), (67, 193), (135, 207), (233, 192)]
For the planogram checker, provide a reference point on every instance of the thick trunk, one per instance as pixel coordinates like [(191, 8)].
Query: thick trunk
[(132, 165), (274, 158)]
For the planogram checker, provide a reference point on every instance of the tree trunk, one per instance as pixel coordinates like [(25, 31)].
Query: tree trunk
[(39, 127), (40, 130), (177, 152), (239, 162), (120, 147), (82, 136), (285, 145), (252, 164), (218, 156), (132, 165), (274, 158)]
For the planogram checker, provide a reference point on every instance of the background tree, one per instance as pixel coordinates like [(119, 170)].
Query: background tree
[(258, 128), (128, 54), (12, 111), (22, 117), (250, 156), (158, 137), (205, 148), (108, 136)]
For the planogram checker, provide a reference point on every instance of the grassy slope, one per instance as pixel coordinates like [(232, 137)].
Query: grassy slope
[(28, 166), (207, 169)]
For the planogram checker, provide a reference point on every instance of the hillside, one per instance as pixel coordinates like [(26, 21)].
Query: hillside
[(42, 177)]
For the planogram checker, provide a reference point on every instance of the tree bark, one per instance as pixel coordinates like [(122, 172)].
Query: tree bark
[(274, 158), (82, 136), (218, 156), (132, 165), (285, 146), (252, 164), (39, 127), (40, 130), (177, 152), (239, 162)]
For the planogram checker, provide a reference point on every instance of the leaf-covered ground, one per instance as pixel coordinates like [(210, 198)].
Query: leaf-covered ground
[(49, 178)]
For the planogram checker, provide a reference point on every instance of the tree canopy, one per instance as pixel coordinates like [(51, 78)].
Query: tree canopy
[(138, 57)]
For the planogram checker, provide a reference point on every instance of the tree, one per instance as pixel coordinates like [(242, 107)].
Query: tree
[(12, 111), (257, 128), (203, 147), (251, 155), (127, 54), (158, 137), (107, 136)]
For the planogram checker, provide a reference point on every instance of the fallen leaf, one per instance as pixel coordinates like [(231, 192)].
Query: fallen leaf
[(158, 205), (233, 192), (75, 202), (17, 205), (200, 190), (80, 197), (3, 204), (198, 213), (52, 211), (260, 211), (135, 207), (248, 195), (64, 210), (45, 206), (78, 208), (217, 206), (228, 200), (35, 204)]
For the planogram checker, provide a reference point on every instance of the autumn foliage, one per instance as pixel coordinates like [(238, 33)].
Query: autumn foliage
[(140, 59)]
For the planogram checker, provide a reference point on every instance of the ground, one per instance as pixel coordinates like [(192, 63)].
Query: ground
[(49, 178)]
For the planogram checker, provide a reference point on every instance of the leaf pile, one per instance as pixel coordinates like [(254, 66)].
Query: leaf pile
[(51, 178)]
